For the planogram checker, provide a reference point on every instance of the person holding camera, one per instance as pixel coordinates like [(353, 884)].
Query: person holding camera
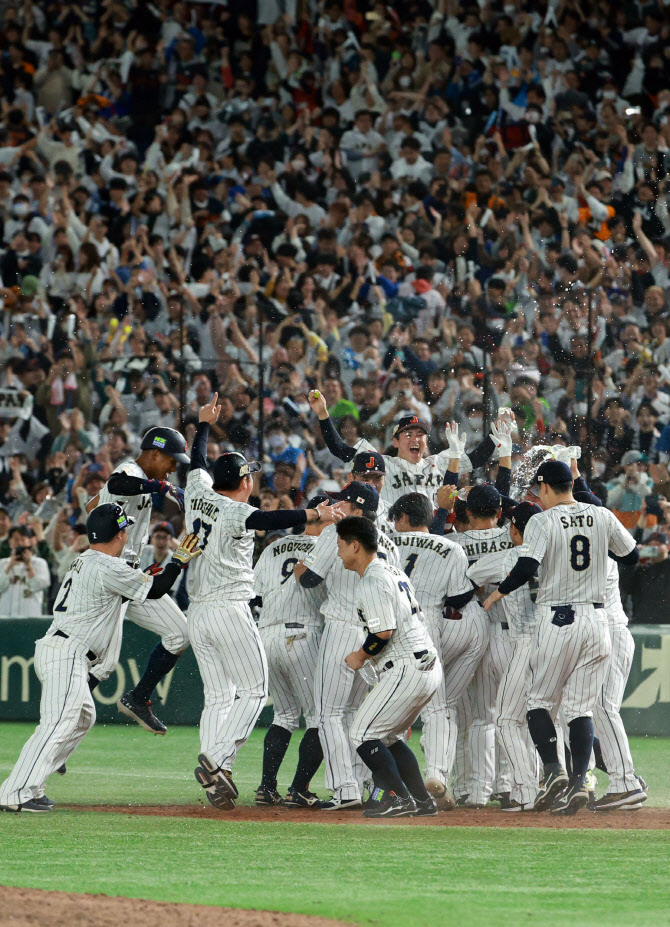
[(648, 583), (23, 577)]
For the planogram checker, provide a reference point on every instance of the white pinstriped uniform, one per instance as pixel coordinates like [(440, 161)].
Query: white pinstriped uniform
[(606, 714), (338, 690), (223, 633), (407, 681), (484, 687), (569, 657), (162, 616), (89, 609), (511, 723), (437, 567), (402, 476), (290, 626)]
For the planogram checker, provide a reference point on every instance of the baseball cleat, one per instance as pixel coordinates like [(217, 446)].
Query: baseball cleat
[(613, 800), (46, 802), (643, 784), (426, 808), (31, 805), (461, 801), (340, 804), (513, 806), (218, 783), (554, 783), (443, 798), (62, 770), (474, 805), (503, 798), (572, 800), (266, 797), (296, 799), (389, 805), (142, 713)]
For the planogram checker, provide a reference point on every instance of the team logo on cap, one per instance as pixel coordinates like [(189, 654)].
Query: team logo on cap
[(360, 501), (158, 442), (371, 463), (244, 470), (121, 521)]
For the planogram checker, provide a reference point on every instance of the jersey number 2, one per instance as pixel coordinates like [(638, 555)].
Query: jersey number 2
[(580, 553), (206, 531), (62, 606)]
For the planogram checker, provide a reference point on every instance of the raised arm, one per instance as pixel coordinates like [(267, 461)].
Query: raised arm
[(334, 442)]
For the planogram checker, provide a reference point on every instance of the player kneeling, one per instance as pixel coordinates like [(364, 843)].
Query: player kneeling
[(400, 649)]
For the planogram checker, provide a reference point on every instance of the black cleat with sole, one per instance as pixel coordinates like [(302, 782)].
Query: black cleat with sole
[(142, 713)]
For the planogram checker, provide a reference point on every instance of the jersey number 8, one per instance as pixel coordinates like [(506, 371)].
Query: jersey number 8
[(580, 553)]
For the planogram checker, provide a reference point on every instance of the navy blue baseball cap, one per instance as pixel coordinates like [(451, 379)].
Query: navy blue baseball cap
[(522, 514), (368, 462), (361, 494), (106, 521), (552, 472), (482, 498), (316, 500), (410, 421)]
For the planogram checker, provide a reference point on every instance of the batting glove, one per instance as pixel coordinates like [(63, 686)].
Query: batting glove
[(187, 550), (177, 493), (455, 443), (501, 434)]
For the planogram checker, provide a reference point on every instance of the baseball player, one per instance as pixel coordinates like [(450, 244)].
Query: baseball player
[(398, 645), (458, 628), (87, 613), (411, 470), (131, 486), (223, 634), (290, 626), (569, 544), (625, 790), (369, 467), (337, 690), (483, 536), (490, 570)]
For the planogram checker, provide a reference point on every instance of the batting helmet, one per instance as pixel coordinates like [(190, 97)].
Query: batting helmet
[(106, 521), (167, 440), (230, 468)]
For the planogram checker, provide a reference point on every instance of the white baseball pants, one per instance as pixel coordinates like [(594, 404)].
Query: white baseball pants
[(461, 644), (338, 692), (606, 717), (568, 662), (67, 713), (512, 726), (395, 702), (292, 656), (234, 671)]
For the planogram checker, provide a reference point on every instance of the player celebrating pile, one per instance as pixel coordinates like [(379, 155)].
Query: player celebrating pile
[(223, 634), (410, 673), (569, 543), (87, 616)]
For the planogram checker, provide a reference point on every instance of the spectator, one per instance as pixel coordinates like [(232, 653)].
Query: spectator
[(23, 577)]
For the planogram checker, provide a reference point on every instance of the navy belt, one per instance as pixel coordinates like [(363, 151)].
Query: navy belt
[(293, 624), (89, 656), (417, 656), (595, 605)]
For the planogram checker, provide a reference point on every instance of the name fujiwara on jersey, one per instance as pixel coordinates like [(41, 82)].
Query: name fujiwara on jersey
[(436, 567), (285, 600), (385, 602)]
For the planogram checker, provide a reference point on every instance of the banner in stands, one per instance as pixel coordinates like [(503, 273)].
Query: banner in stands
[(646, 707)]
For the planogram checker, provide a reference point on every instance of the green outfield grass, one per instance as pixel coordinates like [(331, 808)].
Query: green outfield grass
[(388, 876)]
